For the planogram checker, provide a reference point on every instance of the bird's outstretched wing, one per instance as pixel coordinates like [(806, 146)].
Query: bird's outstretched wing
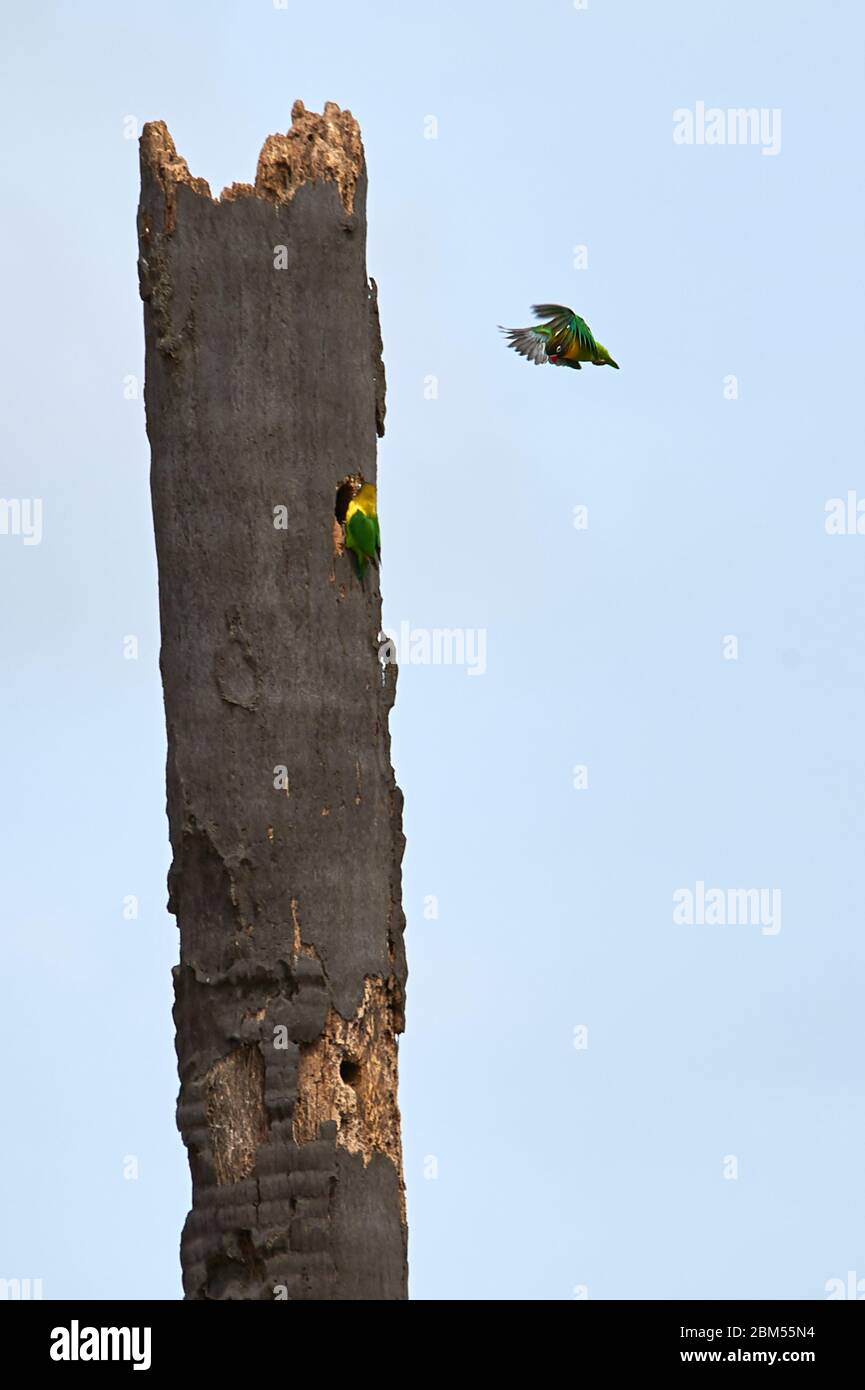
[(565, 328), (528, 342)]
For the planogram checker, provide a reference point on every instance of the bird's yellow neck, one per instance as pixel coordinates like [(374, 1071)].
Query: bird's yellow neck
[(366, 500)]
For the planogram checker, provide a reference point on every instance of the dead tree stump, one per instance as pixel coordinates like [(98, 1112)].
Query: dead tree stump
[(264, 391)]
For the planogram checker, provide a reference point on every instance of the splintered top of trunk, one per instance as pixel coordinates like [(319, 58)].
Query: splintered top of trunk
[(316, 147)]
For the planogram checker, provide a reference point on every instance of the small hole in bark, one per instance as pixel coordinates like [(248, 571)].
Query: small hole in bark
[(349, 1071)]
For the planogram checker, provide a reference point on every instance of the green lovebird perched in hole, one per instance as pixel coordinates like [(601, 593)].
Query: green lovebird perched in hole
[(362, 534), (564, 339)]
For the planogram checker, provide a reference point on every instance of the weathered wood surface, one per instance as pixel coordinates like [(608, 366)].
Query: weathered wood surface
[(264, 389)]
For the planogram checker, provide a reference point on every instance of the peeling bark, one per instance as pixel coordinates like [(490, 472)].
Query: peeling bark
[(265, 391), (236, 1111), (349, 1075)]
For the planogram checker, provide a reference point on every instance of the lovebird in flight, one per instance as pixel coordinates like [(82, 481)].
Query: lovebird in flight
[(563, 338), (362, 534)]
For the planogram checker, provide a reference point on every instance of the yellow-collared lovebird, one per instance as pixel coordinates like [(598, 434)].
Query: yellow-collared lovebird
[(563, 339), (362, 534)]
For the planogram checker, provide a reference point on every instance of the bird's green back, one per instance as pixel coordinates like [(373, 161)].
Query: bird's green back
[(566, 330), (363, 537)]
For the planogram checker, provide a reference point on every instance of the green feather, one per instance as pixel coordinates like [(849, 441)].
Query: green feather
[(363, 537), (565, 328)]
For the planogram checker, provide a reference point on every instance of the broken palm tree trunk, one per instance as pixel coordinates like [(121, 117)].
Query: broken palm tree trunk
[(264, 392)]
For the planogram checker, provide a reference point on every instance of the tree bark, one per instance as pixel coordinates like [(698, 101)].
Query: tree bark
[(264, 392)]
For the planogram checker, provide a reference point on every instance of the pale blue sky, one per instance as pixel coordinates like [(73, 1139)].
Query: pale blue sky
[(557, 1167)]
